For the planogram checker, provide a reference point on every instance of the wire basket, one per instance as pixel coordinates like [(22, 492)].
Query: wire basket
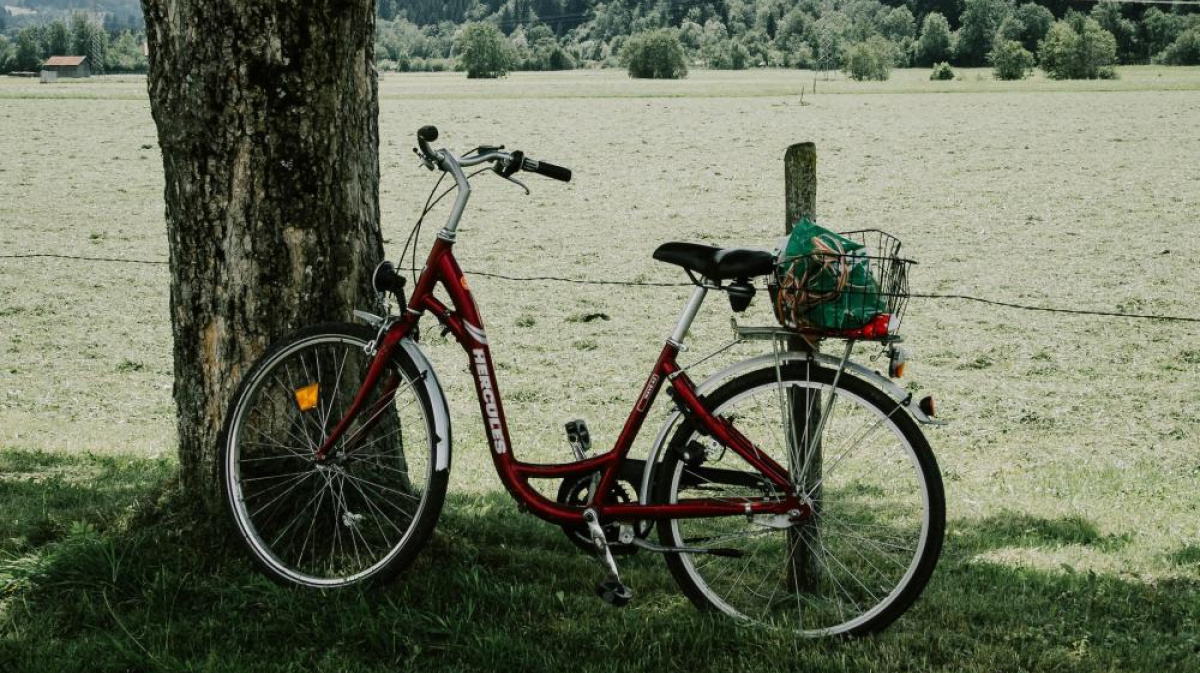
[(859, 294)]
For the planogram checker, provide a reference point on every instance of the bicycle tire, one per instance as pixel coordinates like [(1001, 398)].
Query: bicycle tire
[(851, 511), (366, 504)]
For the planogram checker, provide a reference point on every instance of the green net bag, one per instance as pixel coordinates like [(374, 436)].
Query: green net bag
[(825, 283)]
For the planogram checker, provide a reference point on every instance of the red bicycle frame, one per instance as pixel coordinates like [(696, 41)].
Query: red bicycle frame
[(464, 322)]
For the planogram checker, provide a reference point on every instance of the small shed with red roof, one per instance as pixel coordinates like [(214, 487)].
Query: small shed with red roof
[(68, 66)]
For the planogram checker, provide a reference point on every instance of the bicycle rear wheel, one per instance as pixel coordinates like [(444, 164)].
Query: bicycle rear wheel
[(874, 540), (364, 514)]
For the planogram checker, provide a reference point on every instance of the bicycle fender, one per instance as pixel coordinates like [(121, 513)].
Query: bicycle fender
[(900, 395), (441, 411)]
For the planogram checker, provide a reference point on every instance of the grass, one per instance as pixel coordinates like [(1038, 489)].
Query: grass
[(499, 591), (615, 84), (1070, 463)]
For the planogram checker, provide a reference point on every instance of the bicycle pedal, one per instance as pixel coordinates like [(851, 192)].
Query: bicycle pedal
[(579, 437), (613, 592)]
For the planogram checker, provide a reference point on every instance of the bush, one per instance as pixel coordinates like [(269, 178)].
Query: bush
[(559, 59), (654, 55), (1027, 25), (125, 55), (870, 60), (942, 71), (1109, 14), (1160, 29), (551, 57), (1078, 48), (484, 51), (801, 57), (727, 55), (7, 53), (1010, 60), (979, 21), (936, 43), (1185, 50)]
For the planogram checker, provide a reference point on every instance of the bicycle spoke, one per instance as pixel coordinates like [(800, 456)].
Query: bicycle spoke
[(368, 482), (336, 499), (337, 382), (274, 476), (295, 518), (383, 406), (295, 422), (849, 572), (837, 463), (379, 514), (299, 480), (853, 554), (339, 521), (303, 418), (313, 523), (299, 453)]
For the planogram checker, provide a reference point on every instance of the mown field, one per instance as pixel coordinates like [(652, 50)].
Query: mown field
[(1071, 464)]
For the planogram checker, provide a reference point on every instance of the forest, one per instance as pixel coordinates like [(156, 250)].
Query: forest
[(817, 34), (422, 35)]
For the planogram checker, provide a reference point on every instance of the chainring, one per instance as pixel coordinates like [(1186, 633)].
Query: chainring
[(575, 493)]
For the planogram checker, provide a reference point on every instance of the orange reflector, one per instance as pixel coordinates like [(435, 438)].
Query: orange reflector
[(926, 405), (306, 397), (897, 361)]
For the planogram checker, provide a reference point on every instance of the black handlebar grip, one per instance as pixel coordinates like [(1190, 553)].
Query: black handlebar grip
[(428, 133), (549, 170)]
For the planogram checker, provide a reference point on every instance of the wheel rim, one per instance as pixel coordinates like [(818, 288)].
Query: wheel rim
[(874, 521), (342, 522)]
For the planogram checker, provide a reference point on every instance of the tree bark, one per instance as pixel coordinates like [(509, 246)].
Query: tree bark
[(267, 116)]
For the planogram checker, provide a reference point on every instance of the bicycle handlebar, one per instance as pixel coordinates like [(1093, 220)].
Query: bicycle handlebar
[(505, 164), (511, 161)]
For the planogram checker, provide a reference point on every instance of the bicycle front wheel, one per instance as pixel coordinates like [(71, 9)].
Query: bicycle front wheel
[(363, 514), (866, 470)]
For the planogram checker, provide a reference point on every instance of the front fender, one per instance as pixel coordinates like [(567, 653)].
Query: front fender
[(437, 401)]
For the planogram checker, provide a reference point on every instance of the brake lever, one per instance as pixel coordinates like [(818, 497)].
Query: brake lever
[(516, 182), (425, 161)]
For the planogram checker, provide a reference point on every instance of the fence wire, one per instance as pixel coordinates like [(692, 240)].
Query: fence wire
[(652, 284)]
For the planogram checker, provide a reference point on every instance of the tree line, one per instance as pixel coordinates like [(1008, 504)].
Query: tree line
[(864, 37), (811, 34), (111, 46)]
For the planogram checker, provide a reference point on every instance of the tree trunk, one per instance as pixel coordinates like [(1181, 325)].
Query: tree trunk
[(267, 115)]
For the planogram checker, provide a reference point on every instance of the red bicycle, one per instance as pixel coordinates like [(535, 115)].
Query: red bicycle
[(794, 489)]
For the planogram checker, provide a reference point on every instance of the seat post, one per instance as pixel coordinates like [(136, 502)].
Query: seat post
[(689, 314)]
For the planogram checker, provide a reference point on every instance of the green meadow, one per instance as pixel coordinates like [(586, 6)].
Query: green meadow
[(1070, 460)]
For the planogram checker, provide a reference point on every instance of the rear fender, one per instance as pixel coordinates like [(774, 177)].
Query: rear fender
[(900, 395)]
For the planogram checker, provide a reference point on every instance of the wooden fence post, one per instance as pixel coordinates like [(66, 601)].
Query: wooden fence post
[(800, 201)]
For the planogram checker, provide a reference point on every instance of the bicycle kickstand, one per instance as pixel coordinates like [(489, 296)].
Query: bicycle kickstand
[(611, 590)]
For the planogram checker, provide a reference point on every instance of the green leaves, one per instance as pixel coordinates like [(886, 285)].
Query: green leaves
[(484, 51)]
